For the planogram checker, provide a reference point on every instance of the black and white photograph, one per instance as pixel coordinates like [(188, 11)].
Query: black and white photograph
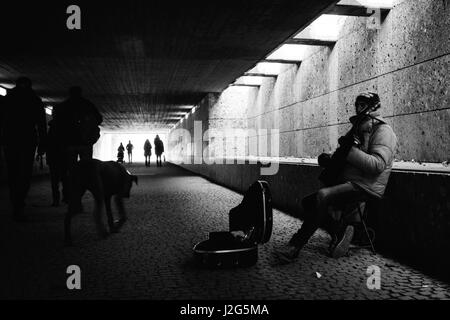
[(225, 158)]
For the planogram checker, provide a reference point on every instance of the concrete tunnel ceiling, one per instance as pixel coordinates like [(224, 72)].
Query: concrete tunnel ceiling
[(144, 63)]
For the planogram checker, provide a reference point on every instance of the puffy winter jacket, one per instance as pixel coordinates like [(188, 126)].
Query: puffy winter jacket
[(371, 170)]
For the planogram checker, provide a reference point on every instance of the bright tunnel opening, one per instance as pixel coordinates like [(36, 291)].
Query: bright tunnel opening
[(106, 147)]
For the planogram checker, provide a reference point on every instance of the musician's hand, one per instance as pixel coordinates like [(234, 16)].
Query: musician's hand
[(346, 141), (324, 160), (356, 141)]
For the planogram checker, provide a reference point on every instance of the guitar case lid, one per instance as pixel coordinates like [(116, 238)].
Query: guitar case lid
[(254, 215)]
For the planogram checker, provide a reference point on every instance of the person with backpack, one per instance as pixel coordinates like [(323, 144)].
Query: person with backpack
[(147, 152), (77, 122), (130, 151), (159, 150), (23, 128)]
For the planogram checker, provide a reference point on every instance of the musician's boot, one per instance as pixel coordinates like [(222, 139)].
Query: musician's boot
[(290, 252)]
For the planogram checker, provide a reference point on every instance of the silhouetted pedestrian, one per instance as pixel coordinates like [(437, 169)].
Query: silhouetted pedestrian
[(23, 129), (159, 150), (76, 121), (147, 152), (130, 151), (120, 153)]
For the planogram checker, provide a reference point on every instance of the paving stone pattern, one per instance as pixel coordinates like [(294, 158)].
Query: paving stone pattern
[(151, 258)]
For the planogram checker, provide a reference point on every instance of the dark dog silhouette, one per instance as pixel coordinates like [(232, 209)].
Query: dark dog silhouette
[(103, 180)]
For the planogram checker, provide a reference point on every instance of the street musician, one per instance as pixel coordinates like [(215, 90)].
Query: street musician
[(358, 170)]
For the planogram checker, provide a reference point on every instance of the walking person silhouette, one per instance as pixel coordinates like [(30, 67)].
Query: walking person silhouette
[(159, 150), (23, 128), (120, 153), (130, 151), (77, 122), (147, 152)]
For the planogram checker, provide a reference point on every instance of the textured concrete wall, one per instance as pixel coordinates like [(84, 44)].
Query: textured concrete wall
[(219, 116), (406, 62)]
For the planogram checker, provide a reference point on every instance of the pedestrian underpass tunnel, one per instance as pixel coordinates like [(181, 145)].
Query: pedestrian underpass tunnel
[(106, 147), (236, 91)]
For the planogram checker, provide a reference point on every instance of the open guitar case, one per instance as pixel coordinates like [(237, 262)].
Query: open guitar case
[(250, 225)]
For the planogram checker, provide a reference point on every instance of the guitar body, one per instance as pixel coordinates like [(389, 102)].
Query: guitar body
[(330, 175)]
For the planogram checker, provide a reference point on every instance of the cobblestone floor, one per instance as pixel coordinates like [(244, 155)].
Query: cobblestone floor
[(151, 258)]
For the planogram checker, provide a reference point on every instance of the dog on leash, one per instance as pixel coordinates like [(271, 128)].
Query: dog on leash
[(103, 180)]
